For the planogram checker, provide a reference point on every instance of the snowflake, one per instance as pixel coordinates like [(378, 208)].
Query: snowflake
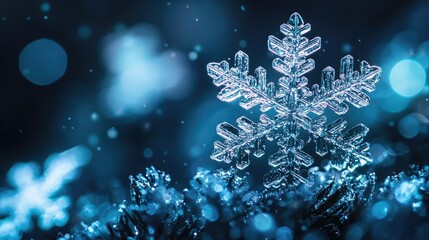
[(295, 107), (38, 196)]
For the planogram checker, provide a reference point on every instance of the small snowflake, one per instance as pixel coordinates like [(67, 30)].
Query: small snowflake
[(38, 196), (295, 107)]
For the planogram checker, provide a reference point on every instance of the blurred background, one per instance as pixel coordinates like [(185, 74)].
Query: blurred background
[(127, 80)]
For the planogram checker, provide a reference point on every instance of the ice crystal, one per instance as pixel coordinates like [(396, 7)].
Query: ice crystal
[(220, 202), (336, 201), (295, 106), (37, 196), (409, 188)]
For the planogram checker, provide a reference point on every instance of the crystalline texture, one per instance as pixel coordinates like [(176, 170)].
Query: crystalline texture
[(292, 102)]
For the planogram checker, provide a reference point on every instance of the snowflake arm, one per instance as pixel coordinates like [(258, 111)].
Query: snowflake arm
[(349, 87), (238, 83)]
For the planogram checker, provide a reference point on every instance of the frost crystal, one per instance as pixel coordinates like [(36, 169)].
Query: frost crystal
[(293, 103), (38, 196), (220, 202)]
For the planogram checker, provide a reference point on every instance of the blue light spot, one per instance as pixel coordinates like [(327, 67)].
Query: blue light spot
[(84, 32), (423, 54), (193, 56), (112, 133), (148, 153), (235, 233), (94, 116), (198, 48), (404, 192), (263, 222), (284, 233), (243, 43), (210, 213), (354, 232), (379, 153), (45, 7), (43, 62), (380, 210), (346, 47), (93, 140), (394, 103), (409, 126), (407, 78)]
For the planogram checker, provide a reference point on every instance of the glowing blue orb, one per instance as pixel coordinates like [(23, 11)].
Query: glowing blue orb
[(43, 62), (94, 116), (148, 153), (243, 43), (112, 133), (354, 232), (407, 78), (193, 56), (84, 32), (380, 210), (263, 222), (346, 47), (45, 7), (409, 126), (405, 192), (210, 213), (394, 103), (93, 140), (284, 233)]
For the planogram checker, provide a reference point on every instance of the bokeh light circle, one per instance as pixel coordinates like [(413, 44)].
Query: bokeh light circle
[(407, 78), (380, 210), (43, 62), (409, 126), (263, 222)]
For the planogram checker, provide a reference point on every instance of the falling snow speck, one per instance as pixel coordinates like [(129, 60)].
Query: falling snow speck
[(193, 56), (94, 116), (112, 133), (45, 7), (346, 47), (243, 43), (84, 31), (198, 48), (148, 153), (93, 140)]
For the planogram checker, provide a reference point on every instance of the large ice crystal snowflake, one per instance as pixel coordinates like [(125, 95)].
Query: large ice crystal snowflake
[(39, 196), (294, 104)]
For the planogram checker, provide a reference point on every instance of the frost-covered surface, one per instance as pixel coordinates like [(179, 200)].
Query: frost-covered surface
[(294, 105), (38, 196), (221, 205)]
